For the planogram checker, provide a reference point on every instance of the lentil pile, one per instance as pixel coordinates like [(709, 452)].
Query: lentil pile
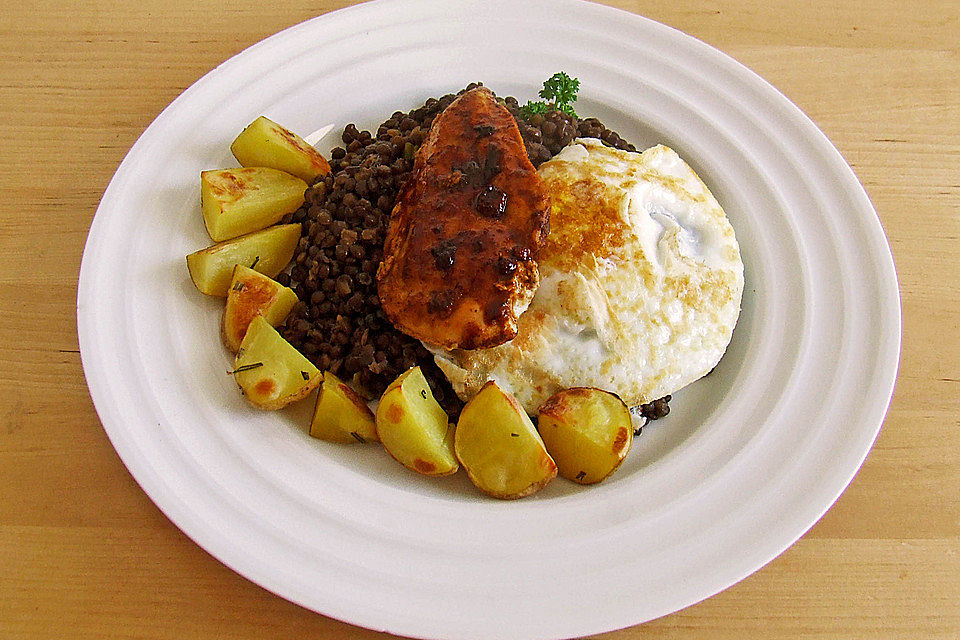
[(338, 323)]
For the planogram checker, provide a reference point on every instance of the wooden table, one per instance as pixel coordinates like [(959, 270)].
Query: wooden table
[(85, 554)]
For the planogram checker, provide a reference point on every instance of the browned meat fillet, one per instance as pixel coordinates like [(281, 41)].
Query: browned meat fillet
[(460, 255)]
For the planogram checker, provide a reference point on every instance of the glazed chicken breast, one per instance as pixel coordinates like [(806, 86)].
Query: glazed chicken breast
[(460, 256)]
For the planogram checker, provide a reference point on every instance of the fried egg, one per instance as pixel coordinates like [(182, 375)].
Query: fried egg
[(641, 281)]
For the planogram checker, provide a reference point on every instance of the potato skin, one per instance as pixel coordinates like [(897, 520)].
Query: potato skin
[(588, 432), (499, 447)]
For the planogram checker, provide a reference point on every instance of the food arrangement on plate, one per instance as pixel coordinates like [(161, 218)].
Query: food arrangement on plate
[(514, 258)]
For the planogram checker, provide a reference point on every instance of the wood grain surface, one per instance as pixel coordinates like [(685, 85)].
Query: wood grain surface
[(85, 554)]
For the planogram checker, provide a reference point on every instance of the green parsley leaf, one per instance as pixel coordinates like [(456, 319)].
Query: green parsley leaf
[(560, 88), (566, 108), (532, 108)]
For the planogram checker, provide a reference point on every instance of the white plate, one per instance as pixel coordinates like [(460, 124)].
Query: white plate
[(748, 460)]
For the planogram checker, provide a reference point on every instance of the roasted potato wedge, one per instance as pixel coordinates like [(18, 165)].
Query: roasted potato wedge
[(341, 415), (414, 428), (271, 373), (264, 143), (499, 447), (253, 294), (236, 202), (267, 252), (588, 432)]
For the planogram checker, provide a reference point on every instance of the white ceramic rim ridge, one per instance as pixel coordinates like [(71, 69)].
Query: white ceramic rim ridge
[(805, 385)]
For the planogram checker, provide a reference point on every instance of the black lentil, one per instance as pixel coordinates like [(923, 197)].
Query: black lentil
[(657, 409)]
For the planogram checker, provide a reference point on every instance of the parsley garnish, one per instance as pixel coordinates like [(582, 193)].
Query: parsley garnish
[(561, 90), (534, 107)]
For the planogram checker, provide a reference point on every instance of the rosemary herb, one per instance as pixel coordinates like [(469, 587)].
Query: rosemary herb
[(255, 261), (245, 367), (359, 437), (581, 475), (306, 376)]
